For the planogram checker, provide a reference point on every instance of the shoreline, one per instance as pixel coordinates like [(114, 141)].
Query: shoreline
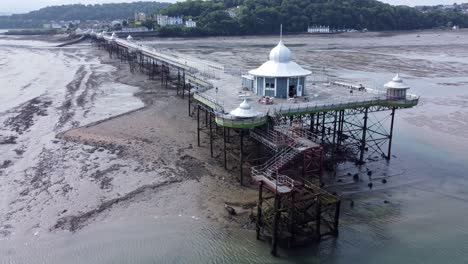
[(73, 155)]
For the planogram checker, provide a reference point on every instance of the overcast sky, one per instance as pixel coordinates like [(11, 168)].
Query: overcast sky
[(15, 6)]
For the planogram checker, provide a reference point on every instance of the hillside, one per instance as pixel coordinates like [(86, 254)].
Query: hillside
[(241, 17), (265, 16), (78, 12)]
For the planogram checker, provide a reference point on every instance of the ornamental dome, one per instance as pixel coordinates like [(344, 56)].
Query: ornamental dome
[(245, 110), (280, 64), (280, 53), (113, 36), (129, 38), (396, 83)]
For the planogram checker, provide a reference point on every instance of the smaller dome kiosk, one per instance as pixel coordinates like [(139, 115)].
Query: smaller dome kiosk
[(396, 88), (245, 110), (113, 37)]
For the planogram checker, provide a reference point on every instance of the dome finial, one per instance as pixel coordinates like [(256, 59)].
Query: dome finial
[(281, 33)]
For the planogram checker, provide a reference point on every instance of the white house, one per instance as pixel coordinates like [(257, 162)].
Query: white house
[(319, 29), (140, 16), (164, 20), (190, 23), (175, 21)]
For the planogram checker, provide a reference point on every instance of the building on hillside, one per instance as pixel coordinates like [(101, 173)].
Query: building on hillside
[(161, 20), (140, 16), (319, 29), (279, 77), (164, 20), (56, 26), (231, 13), (175, 21), (190, 23)]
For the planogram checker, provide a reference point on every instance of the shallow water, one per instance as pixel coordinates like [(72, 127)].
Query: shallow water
[(426, 220)]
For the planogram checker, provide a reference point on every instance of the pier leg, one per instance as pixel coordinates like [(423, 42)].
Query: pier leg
[(211, 135), (189, 102), (178, 80), (277, 213), (168, 75), (318, 214), (317, 123), (312, 117), (337, 218), (183, 83), (340, 127), (364, 136), (390, 137), (224, 148), (334, 143), (198, 125), (323, 126), (292, 219), (241, 157), (183, 88), (259, 210)]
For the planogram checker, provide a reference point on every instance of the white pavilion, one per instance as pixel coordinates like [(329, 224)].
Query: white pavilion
[(279, 77)]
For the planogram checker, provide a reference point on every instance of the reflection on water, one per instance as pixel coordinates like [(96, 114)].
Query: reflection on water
[(158, 240)]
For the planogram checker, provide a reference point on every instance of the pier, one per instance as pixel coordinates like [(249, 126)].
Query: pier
[(288, 144)]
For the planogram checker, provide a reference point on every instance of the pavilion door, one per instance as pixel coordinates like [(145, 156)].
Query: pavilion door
[(292, 91), (292, 87)]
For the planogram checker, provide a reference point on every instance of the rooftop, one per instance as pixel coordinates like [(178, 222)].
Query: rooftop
[(280, 64)]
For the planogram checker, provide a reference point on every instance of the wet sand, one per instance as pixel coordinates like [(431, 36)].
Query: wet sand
[(83, 139)]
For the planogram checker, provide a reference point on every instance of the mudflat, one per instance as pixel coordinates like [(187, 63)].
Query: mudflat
[(82, 139)]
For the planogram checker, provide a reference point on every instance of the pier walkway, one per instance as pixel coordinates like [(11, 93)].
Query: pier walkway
[(216, 88)]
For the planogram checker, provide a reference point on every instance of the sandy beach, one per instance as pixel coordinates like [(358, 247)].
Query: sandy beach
[(83, 139)]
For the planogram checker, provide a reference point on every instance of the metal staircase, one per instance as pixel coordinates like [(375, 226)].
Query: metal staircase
[(288, 143)]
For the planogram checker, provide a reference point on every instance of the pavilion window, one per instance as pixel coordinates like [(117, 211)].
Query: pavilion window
[(269, 83)]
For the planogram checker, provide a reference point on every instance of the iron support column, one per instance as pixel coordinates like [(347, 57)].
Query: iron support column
[(198, 125), (241, 157), (224, 148), (390, 137), (211, 136), (189, 103), (277, 213), (337, 218), (259, 209), (364, 136), (318, 220)]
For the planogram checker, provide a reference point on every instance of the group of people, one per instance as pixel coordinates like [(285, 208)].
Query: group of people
[(266, 100)]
